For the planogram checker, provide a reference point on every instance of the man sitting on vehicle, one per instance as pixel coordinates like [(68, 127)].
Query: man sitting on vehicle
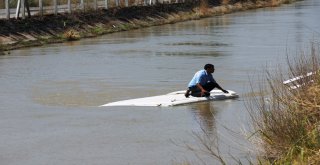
[(202, 83)]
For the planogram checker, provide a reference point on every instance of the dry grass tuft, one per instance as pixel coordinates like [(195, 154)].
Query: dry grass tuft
[(288, 120), (203, 7), (225, 2), (71, 35)]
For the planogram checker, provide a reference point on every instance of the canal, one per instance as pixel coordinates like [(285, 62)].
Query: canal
[(50, 95)]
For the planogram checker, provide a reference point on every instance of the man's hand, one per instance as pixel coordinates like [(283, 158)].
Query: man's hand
[(224, 91), (203, 92)]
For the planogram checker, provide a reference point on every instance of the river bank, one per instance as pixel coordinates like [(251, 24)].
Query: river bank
[(38, 31), (287, 125)]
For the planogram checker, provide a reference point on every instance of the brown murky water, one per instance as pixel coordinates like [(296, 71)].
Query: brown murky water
[(50, 95)]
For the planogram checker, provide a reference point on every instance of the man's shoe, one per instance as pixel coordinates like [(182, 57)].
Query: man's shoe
[(187, 94)]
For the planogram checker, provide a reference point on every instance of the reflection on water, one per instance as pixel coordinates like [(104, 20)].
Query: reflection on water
[(204, 113)]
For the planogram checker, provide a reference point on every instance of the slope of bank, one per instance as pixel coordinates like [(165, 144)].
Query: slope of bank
[(37, 30)]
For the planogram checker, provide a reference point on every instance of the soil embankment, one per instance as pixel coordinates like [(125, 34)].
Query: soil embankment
[(37, 30)]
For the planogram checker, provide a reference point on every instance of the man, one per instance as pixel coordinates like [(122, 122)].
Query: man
[(202, 83)]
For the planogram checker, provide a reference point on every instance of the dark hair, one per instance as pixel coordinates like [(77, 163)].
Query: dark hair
[(207, 66)]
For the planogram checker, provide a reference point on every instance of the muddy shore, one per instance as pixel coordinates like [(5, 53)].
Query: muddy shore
[(38, 31)]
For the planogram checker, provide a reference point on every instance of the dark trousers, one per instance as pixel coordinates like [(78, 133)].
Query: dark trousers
[(196, 92)]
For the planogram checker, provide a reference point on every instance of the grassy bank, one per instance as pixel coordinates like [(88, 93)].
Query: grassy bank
[(37, 30), (287, 121)]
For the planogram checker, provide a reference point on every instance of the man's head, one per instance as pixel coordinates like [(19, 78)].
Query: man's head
[(209, 68)]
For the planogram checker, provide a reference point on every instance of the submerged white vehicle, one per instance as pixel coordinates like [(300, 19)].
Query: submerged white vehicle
[(173, 99)]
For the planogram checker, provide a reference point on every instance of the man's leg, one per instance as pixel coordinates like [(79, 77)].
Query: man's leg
[(187, 94), (208, 87), (196, 92)]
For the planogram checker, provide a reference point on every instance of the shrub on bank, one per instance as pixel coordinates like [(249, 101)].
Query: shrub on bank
[(287, 120), (71, 35)]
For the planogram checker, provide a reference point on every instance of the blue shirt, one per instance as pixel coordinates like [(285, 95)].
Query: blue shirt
[(201, 77)]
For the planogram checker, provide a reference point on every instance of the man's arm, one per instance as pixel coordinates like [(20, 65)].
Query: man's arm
[(219, 87)]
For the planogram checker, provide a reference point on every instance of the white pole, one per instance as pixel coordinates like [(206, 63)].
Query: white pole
[(106, 4), (23, 9), (7, 9), (55, 7), (41, 7), (95, 5), (127, 3), (82, 4), (18, 9), (69, 6)]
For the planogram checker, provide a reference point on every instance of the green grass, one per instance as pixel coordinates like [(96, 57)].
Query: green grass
[(98, 30)]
